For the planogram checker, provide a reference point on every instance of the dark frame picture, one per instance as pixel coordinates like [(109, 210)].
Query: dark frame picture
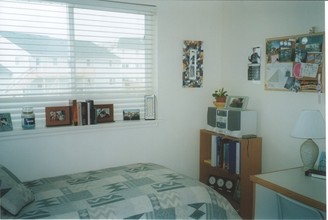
[(5, 122), (131, 114), (58, 116), (104, 113)]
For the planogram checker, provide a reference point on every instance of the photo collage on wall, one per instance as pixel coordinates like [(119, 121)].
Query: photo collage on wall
[(295, 63)]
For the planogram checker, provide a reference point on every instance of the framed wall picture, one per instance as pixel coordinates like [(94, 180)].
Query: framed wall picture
[(236, 102), (58, 116), (192, 62), (131, 114), (5, 122), (104, 113), (295, 63), (150, 107), (254, 64)]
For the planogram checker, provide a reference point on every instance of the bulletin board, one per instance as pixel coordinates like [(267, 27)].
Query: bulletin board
[(295, 63)]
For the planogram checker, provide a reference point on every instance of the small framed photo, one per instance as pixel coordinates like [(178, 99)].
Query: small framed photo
[(5, 122), (149, 107), (236, 102), (58, 116), (131, 114), (104, 113)]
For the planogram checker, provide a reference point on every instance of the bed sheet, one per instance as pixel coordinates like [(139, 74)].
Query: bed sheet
[(136, 191)]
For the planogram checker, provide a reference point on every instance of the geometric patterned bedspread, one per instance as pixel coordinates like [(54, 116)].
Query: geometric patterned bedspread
[(136, 191)]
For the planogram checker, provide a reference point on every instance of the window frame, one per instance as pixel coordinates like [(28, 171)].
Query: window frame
[(40, 116)]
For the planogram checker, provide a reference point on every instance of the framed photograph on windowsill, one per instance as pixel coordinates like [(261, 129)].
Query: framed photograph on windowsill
[(236, 102), (104, 113), (58, 116), (5, 122), (131, 114)]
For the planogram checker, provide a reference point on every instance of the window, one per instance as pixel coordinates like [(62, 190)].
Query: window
[(55, 51)]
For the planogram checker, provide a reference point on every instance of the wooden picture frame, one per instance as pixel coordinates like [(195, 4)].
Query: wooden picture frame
[(236, 102), (58, 116), (104, 113), (295, 63), (5, 122)]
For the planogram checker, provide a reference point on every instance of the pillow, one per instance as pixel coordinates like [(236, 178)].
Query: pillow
[(13, 194)]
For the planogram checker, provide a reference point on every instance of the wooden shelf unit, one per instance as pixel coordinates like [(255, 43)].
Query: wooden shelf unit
[(250, 164)]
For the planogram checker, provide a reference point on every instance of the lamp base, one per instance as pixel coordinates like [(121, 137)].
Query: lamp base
[(309, 153)]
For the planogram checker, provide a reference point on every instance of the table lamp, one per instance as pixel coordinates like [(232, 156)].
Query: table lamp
[(310, 124)]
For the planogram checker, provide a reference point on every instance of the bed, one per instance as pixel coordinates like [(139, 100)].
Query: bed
[(135, 191)]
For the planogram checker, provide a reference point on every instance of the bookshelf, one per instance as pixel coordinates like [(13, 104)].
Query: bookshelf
[(250, 164)]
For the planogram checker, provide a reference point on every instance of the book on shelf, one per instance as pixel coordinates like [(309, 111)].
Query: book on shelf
[(82, 116), (225, 154), (214, 151), (232, 157), (316, 173), (91, 116), (74, 112), (221, 151), (82, 112), (226, 162), (237, 157)]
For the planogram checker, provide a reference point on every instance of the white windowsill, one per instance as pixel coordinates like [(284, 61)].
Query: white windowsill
[(46, 131)]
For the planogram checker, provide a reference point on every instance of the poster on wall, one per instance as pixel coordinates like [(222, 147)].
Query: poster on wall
[(295, 63), (254, 64), (192, 62)]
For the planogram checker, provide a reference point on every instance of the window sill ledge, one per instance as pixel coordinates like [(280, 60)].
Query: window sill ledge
[(49, 131)]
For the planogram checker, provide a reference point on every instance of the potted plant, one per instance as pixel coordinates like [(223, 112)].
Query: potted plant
[(220, 97)]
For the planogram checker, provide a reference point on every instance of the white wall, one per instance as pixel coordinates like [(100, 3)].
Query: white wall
[(248, 24), (228, 34)]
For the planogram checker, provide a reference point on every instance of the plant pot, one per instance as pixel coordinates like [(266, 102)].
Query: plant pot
[(220, 102), (221, 99)]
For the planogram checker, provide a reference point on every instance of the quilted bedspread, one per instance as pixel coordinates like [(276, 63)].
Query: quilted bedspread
[(137, 191)]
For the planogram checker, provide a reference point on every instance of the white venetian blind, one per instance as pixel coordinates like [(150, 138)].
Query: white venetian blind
[(54, 51)]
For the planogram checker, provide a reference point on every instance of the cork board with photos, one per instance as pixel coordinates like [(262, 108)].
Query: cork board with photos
[(295, 63)]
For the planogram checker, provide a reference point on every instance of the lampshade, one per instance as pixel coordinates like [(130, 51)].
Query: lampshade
[(310, 124)]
